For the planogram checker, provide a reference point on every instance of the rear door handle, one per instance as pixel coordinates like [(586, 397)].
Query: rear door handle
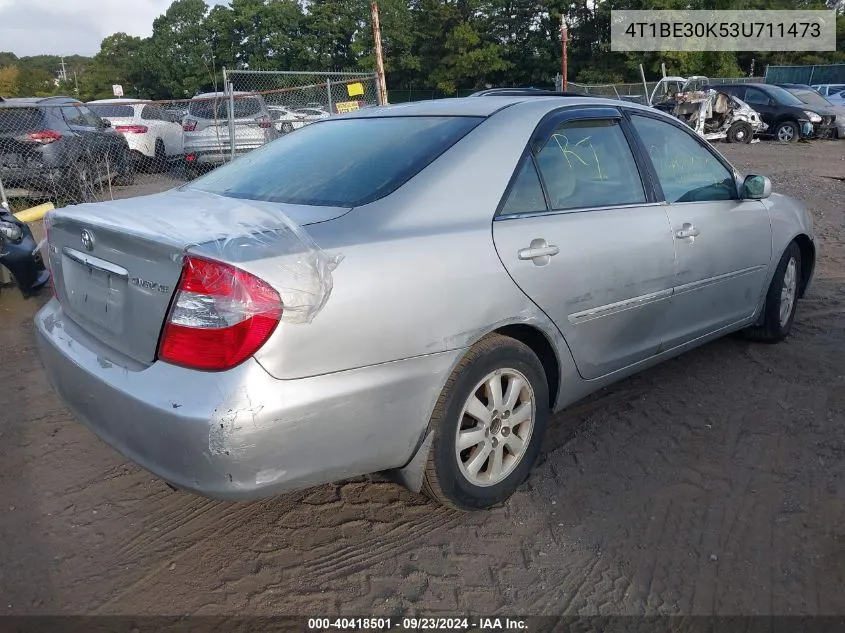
[(539, 251), (686, 231)]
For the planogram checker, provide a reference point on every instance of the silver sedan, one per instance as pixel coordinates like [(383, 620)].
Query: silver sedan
[(410, 289)]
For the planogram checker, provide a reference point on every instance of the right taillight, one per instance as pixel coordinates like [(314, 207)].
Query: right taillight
[(189, 125), (221, 315), (44, 137)]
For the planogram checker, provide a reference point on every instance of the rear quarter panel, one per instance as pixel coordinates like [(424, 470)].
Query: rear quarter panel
[(419, 273)]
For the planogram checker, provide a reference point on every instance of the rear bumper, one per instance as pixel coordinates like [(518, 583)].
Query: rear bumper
[(143, 144), (243, 434)]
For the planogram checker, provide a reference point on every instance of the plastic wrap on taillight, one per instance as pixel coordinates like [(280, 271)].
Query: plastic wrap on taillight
[(221, 315)]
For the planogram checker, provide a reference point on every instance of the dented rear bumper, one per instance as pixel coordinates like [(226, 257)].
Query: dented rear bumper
[(242, 434)]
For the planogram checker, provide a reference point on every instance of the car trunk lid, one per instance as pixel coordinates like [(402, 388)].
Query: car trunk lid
[(116, 265)]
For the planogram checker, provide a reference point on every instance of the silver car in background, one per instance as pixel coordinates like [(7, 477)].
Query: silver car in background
[(206, 131), (410, 289)]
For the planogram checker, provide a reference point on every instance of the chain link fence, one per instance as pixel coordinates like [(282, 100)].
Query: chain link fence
[(61, 151), (635, 91), (295, 99)]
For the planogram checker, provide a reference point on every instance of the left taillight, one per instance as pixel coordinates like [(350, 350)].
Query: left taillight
[(221, 315)]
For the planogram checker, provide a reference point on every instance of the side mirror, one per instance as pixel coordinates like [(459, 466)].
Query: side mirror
[(756, 188)]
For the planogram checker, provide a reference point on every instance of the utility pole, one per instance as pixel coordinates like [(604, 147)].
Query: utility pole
[(564, 39), (382, 84), (64, 70)]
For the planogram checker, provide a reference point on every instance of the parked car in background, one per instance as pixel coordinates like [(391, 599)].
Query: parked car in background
[(57, 147), (825, 107), (285, 119), (410, 289), (153, 137), (206, 133), (788, 118), (826, 90), (311, 114), (837, 99)]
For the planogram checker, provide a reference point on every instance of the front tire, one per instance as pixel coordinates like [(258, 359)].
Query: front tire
[(787, 132), (781, 299), (488, 425)]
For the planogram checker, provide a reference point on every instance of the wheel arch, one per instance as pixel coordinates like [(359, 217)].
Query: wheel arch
[(808, 261), (537, 341)]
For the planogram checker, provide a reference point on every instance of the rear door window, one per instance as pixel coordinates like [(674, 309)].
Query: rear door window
[(589, 164), (338, 162), (756, 96)]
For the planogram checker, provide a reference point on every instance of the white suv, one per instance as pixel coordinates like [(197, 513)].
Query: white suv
[(154, 137)]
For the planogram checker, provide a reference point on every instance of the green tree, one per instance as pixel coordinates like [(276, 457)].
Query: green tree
[(178, 55), (9, 81)]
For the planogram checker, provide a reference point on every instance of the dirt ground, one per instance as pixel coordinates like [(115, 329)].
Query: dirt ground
[(713, 484)]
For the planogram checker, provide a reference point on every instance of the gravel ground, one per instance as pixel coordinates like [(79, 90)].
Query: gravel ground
[(713, 484)]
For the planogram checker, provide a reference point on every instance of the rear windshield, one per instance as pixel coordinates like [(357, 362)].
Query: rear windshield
[(340, 162), (112, 111), (20, 119), (206, 108)]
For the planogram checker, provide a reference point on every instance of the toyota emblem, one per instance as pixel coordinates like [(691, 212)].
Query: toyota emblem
[(87, 240)]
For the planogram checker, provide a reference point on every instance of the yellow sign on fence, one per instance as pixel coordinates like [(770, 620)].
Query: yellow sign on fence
[(347, 106), (355, 89)]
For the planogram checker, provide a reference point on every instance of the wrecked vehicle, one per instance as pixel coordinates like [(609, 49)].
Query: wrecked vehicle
[(717, 115), (19, 254)]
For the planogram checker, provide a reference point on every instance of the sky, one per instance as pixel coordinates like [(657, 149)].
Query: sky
[(68, 27)]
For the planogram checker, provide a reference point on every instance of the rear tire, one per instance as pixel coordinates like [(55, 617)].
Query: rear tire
[(740, 132), (501, 436), (126, 171), (159, 161), (781, 299), (80, 183)]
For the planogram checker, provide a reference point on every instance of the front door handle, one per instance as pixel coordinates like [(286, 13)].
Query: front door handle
[(686, 231), (539, 251)]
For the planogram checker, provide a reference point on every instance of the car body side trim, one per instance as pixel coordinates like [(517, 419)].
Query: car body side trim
[(703, 283), (619, 306), (636, 302)]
